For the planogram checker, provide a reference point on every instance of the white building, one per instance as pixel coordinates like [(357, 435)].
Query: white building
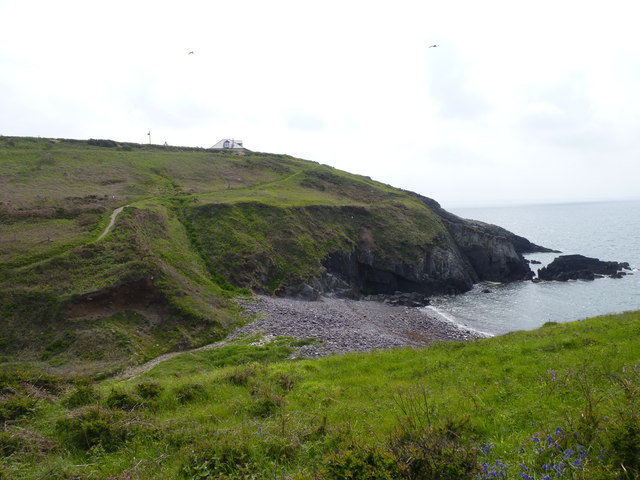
[(229, 143)]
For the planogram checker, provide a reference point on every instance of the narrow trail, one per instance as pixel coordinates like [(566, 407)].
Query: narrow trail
[(135, 371), (112, 221)]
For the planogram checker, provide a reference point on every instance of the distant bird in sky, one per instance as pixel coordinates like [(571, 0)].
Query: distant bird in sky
[(432, 46), (190, 53)]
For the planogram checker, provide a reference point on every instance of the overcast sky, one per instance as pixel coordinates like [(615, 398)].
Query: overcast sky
[(520, 102)]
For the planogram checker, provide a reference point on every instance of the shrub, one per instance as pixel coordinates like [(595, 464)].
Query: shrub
[(11, 382), (91, 426), (241, 375), (434, 455), (122, 400), (429, 450), (82, 395), (360, 464), (625, 446), (102, 143), (10, 444), (266, 402), (223, 460), (286, 381), (190, 392), (149, 390), (16, 406)]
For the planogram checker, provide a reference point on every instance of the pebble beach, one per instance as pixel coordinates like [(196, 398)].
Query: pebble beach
[(343, 325)]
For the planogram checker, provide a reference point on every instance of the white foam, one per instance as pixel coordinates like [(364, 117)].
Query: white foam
[(451, 319)]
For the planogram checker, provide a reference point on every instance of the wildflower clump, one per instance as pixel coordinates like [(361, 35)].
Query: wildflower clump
[(544, 457)]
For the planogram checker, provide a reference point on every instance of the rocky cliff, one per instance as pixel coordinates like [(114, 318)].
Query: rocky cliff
[(354, 251), (469, 252)]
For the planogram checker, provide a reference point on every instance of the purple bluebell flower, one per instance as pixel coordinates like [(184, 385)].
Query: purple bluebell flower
[(581, 451), (486, 448)]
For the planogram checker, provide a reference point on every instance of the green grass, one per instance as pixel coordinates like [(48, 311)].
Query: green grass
[(241, 410)]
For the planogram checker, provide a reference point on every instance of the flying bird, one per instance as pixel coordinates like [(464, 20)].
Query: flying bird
[(190, 53), (432, 46)]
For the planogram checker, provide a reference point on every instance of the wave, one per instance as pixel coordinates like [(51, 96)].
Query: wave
[(447, 317)]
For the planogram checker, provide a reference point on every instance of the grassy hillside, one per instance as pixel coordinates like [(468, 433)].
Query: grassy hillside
[(199, 227), (558, 402)]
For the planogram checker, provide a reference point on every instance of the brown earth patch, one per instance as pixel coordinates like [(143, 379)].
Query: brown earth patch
[(140, 296)]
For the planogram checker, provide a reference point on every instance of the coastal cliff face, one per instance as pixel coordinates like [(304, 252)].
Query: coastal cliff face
[(355, 251), (436, 269), (468, 253), (493, 258)]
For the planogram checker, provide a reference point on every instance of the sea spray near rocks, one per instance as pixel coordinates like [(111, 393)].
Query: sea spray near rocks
[(451, 319)]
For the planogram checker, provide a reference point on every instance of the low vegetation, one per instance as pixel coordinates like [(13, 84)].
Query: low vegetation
[(558, 402)]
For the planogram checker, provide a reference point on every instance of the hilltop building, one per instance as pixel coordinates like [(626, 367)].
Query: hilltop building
[(229, 143)]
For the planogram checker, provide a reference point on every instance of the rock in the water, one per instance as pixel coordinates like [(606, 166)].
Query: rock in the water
[(579, 267)]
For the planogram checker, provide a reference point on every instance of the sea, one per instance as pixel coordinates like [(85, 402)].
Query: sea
[(606, 230)]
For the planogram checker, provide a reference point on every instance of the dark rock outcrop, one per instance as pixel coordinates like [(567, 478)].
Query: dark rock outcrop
[(579, 267), (494, 253), (471, 252), (520, 244), (440, 269)]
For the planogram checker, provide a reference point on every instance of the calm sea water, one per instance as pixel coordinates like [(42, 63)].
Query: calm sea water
[(608, 231)]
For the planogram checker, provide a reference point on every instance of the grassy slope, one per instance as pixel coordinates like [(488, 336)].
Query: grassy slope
[(197, 222), (256, 415)]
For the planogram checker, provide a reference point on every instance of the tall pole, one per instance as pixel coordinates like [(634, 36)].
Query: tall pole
[(149, 133)]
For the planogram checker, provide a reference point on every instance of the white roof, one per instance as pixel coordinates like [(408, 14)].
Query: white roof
[(228, 143)]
